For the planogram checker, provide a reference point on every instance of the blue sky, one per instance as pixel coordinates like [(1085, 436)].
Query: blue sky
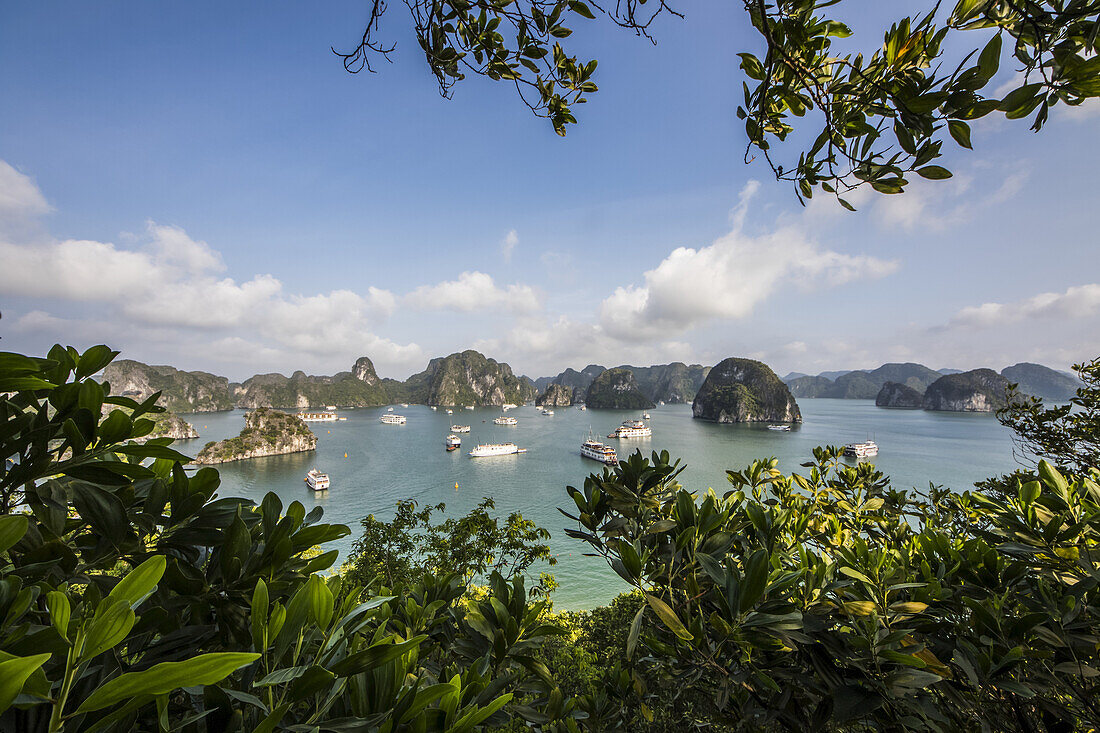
[(203, 185)]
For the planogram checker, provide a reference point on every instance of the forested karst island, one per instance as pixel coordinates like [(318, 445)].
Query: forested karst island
[(744, 390), (266, 432), (616, 389)]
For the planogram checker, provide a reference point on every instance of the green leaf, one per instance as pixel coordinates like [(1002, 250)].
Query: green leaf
[(961, 132), (853, 573), (60, 612), (12, 529), (13, 673), (374, 656), (934, 172), (635, 629), (139, 582), (110, 625), (312, 681), (320, 601), (669, 617), (205, 669), (94, 359), (581, 9), (258, 615)]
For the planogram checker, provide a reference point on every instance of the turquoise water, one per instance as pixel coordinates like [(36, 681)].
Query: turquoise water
[(386, 463)]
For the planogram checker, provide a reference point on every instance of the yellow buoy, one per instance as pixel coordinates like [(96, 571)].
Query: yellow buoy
[(345, 455), (456, 486)]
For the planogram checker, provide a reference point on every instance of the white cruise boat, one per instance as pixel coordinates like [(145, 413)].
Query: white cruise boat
[(547, 411), (318, 416), (404, 404), (597, 451), (646, 416), (496, 449), (507, 406), (780, 428), (469, 407), (582, 408), (632, 429), (316, 480), (506, 421), (393, 419), (450, 412), (861, 450), (389, 409), (452, 442), (460, 428)]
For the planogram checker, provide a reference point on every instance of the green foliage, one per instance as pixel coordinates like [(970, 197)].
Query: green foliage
[(830, 599), (472, 547), (1067, 435), (132, 597), (616, 389), (875, 116)]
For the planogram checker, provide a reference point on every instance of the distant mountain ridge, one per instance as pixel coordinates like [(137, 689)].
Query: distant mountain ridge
[(1033, 379), (673, 383), (464, 378)]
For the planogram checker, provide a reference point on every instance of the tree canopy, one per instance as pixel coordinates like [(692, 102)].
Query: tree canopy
[(872, 113)]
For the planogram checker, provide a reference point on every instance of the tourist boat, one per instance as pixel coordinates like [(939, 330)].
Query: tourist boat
[(861, 450), (646, 416), (506, 421), (330, 408), (452, 442), (460, 428), (404, 404), (389, 409), (547, 411), (318, 416), (469, 407), (780, 428), (507, 406), (394, 419), (496, 449), (582, 408), (316, 480), (632, 429), (597, 451), (450, 412), (433, 408)]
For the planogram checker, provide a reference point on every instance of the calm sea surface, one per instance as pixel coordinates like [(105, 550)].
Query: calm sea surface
[(386, 463)]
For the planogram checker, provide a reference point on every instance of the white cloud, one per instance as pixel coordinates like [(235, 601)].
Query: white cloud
[(729, 278), (508, 244), (940, 205), (169, 287), (19, 196), (1076, 302), (474, 291)]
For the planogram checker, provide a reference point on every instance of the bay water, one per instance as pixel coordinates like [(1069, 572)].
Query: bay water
[(373, 465)]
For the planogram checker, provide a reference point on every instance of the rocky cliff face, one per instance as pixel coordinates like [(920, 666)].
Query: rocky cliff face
[(360, 387), (744, 390), (266, 433), (900, 396), (363, 370), (180, 391), (674, 383), (171, 425), (1040, 381), (579, 381), (556, 395), (469, 378), (979, 390), (616, 389)]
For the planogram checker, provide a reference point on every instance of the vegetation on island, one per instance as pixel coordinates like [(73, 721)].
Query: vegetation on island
[(180, 391), (978, 390), (556, 395), (266, 432), (616, 389), (744, 390), (133, 597), (899, 396)]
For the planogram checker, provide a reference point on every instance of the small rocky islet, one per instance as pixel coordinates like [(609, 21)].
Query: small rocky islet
[(267, 432)]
